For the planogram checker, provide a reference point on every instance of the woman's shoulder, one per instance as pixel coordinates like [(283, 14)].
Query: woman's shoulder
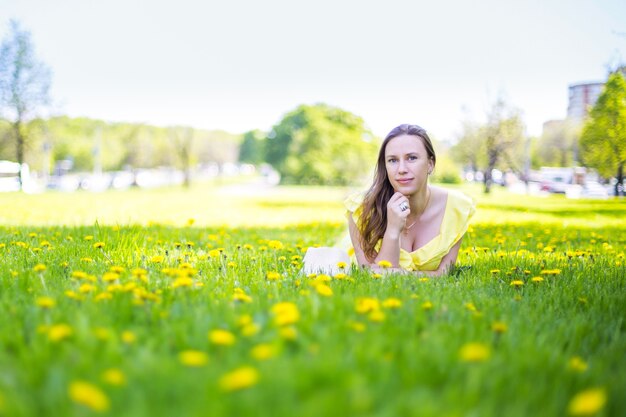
[(460, 206), (453, 198), (354, 200)]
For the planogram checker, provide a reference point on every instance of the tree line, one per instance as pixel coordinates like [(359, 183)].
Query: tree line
[(312, 144)]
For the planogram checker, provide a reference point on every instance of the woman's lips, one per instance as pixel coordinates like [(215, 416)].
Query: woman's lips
[(405, 180)]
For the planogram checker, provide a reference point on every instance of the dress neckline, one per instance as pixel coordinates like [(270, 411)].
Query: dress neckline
[(441, 226)]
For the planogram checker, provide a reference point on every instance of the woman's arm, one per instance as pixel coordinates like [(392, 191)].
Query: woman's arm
[(446, 262), (389, 250)]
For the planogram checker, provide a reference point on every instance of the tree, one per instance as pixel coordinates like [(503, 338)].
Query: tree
[(603, 140), (321, 145), (182, 140), (24, 85), (469, 151), (251, 150), (498, 143), (558, 145)]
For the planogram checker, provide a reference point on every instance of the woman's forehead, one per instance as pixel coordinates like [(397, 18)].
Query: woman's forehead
[(404, 144)]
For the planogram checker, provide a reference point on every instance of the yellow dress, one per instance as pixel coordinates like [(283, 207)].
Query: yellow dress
[(459, 211)]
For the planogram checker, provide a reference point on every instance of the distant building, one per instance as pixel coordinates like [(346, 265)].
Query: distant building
[(582, 97)]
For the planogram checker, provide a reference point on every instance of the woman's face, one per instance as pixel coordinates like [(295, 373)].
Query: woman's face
[(407, 164)]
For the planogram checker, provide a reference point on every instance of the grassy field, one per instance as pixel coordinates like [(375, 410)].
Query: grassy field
[(189, 302)]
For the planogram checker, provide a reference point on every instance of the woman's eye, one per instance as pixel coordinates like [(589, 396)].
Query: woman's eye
[(412, 158)]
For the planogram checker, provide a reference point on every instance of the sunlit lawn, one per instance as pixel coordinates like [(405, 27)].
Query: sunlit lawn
[(120, 316)]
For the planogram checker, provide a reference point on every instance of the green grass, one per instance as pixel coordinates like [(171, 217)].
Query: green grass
[(405, 361)]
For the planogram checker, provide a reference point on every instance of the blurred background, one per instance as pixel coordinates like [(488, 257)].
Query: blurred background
[(115, 95)]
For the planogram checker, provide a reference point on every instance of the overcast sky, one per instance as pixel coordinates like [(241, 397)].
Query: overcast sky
[(242, 64)]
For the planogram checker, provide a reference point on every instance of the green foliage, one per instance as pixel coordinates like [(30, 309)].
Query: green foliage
[(321, 145), (446, 171), (603, 140), (252, 148), (498, 143), (558, 146), (24, 85), (121, 145)]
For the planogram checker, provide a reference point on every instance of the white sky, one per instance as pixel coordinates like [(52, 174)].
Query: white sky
[(242, 64)]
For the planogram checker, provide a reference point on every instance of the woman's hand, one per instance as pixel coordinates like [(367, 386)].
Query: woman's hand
[(396, 216)]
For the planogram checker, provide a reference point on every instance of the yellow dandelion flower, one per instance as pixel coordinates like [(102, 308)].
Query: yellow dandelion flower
[(474, 352), (537, 279), (110, 276), (427, 305), (240, 378), (392, 303), (340, 276), (263, 352), (323, 290), (71, 294), (385, 264), (39, 268), (424, 279), (117, 269), (98, 245), (193, 358), (516, 283), (85, 288), (272, 276), (366, 305), (288, 333), (376, 316), (86, 260), (577, 364), (242, 297), (232, 264), (45, 302), (356, 326), (113, 376), (250, 330), (275, 244), (285, 313), (221, 337), (341, 265), (182, 282), (587, 402), (103, 296), (89, 395), (88, 237), (138, 272), (79, 274), (322, 278), (498, 327), (59, 332), (157, 259), (128, 337), (377, 276), (244, 319), (471, 307)]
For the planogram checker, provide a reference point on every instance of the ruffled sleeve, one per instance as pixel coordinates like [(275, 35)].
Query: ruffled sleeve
[(462, 208), (353, 205)]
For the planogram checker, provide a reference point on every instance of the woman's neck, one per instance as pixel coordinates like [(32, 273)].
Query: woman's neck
[(419, 202)]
